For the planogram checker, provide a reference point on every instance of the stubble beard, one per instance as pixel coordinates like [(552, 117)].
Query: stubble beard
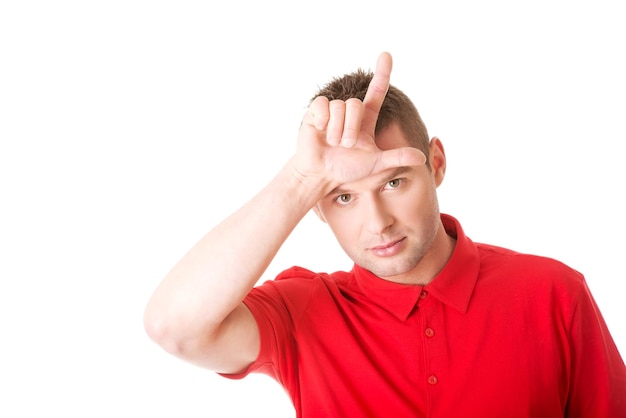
[(398, 268)]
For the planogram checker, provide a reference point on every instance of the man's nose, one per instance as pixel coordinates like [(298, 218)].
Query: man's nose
[(377, 216)]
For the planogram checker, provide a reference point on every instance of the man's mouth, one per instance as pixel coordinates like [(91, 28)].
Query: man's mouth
[(388, 249)]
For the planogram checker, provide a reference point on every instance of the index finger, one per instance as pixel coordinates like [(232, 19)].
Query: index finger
[(376, 92)]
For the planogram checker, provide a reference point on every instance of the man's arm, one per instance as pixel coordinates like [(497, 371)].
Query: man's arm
[(196, 312)]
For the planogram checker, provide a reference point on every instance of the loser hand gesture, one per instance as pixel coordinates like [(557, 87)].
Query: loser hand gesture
[(336, 140)]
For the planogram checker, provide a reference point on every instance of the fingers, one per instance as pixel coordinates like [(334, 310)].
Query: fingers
[(318, 113), (345, 121), (337, 109), (376, 92), (341, 120), (351, 122)]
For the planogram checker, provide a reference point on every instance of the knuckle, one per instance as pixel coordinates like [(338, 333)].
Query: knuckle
[(354, 103), (337, 105)]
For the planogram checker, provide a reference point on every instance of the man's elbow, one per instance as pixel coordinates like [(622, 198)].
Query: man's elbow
[(169, 333)]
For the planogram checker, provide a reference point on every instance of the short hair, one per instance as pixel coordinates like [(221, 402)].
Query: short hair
[(397, 107)]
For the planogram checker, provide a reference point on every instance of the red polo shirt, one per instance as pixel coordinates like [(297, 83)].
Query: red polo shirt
[(495, 334)]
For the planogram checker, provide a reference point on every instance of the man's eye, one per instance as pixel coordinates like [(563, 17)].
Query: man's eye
[(343, 199), (394, 183)]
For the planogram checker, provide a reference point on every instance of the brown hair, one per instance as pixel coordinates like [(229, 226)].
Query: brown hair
[(397, 107)]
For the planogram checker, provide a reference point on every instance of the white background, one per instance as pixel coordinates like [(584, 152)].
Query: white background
[(129, 128)]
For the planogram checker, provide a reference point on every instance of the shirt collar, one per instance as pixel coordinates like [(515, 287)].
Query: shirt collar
[(453, 285)]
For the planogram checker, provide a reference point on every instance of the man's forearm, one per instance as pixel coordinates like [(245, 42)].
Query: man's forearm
[(212, 279)]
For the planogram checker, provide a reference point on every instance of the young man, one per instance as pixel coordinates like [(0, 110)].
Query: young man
[(427, 323)]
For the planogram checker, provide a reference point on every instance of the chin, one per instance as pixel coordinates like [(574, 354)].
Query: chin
[(393, 271)]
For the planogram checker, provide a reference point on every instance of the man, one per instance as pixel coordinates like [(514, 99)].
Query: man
[(427, 323)]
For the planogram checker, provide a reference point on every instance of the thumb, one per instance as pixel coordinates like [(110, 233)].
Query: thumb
[(400, 157)]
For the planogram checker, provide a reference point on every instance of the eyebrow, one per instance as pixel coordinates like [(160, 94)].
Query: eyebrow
[(339, 190)]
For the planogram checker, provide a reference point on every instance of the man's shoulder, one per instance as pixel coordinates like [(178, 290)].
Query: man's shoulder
[(298, 273), (301, 277), (527, 265)]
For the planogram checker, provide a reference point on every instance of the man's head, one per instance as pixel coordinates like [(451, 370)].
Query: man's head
[(389, 222), (397, 107)]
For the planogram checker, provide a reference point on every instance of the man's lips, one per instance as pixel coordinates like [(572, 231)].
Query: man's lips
[(388, 249)]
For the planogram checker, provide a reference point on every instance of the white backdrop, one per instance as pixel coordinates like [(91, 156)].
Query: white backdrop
[(129, 128)]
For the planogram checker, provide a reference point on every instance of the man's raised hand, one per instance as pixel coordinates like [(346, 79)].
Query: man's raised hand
[(337, 138)]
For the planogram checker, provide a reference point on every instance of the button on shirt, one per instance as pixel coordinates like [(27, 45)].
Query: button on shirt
[(495, 334)]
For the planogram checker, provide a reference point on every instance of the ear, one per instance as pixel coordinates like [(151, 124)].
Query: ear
[(319, 213), (437, 159)]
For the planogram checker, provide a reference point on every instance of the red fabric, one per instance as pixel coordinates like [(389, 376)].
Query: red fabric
[(496, 334)]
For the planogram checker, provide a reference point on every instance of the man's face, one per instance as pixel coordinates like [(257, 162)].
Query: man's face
[(388, 222)]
